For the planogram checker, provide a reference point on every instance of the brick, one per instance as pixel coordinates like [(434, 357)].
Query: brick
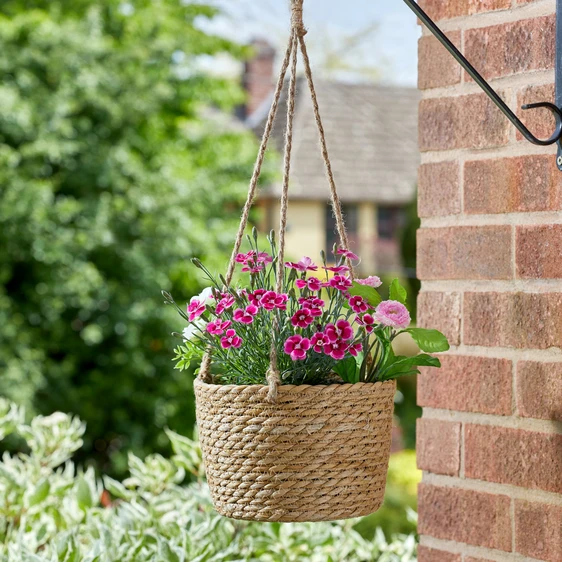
[(471, 121), (538, 530), (468, 384), (539, 390), (469, 252), (539, 121), (512, 456), (426, 554), (521, 320), (441, 311), (436, 67), (439, 189), (512, 48), (472, 559), (438, 446), (439, 10), (506, 185), (539, 251), (465, 516)]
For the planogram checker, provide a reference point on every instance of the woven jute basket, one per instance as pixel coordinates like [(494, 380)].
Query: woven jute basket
[(318, 453)]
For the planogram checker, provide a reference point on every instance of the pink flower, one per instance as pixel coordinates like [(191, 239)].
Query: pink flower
[(304, 265), (319, 340), (346, 253), (342, 330), (252, 258), (245, 316), (271, 300), (226, 302), (340, 283), (231, 339), (358, 304), (337, 269), (194, 309), (297, 346), (253, 261), (253, 269), (313, 304), (302, 318), (256, 296), (336, 349), (392, 313), (367, 321), (372, 281), (355, 348), (217, 327), (312, 284)]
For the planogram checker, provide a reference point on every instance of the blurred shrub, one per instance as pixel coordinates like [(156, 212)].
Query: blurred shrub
[(49, 513), (397, 515), (116, 165)]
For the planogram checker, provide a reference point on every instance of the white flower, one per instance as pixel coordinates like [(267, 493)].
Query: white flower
[(205, 297), (194, 329)]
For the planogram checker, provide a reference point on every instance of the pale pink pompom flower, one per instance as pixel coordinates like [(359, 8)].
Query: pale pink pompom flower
[(371, 281), (393, 314)]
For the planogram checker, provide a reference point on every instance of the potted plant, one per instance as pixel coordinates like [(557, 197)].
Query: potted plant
[(295, 393), (315, 444)]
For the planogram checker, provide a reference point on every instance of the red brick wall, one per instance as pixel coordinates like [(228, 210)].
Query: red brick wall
[(490, 258)]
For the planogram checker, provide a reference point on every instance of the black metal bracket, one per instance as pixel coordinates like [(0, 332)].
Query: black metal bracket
[(477, 77)]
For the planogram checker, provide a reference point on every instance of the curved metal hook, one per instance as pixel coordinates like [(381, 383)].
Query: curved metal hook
[(556, 136), (492, 94)]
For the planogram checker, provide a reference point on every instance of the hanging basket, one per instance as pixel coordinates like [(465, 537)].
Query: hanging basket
[(293, 453), (319, 453)]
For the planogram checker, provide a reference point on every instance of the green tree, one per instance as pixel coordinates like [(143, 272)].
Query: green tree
[(117, 164)]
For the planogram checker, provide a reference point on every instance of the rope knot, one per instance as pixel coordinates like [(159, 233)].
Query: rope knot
[(273, 377), (296, 18)]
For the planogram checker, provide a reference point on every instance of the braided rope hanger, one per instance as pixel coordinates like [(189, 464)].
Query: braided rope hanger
[(296, 40)]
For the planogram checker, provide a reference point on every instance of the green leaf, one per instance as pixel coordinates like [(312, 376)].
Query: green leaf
[(39, 494), (348, 370), (116, 489), (402, 366), (370, 294), (83, 494), (397, 292), (432, 341)]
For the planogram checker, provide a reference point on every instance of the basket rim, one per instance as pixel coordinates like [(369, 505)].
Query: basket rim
[(344, 386)]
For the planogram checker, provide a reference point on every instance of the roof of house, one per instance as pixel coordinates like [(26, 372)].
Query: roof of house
[(371, 132)]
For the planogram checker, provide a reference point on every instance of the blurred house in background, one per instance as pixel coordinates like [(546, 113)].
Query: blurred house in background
[(371, 132)]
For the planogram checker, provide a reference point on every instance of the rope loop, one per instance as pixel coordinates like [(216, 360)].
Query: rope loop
[(296, 40)]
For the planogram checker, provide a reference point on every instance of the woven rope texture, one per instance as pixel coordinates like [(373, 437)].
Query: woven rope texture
[(319, 453)]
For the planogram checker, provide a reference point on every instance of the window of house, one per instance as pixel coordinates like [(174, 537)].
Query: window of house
[(389, 222), (351, 217)]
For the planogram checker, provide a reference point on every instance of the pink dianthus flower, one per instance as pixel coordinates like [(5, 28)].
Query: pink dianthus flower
[(297, 346), (341, 330), (230, 339)]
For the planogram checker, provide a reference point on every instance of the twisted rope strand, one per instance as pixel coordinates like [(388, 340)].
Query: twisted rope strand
[(273, 375), (205, 369), (336, 205), (259, 161)]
